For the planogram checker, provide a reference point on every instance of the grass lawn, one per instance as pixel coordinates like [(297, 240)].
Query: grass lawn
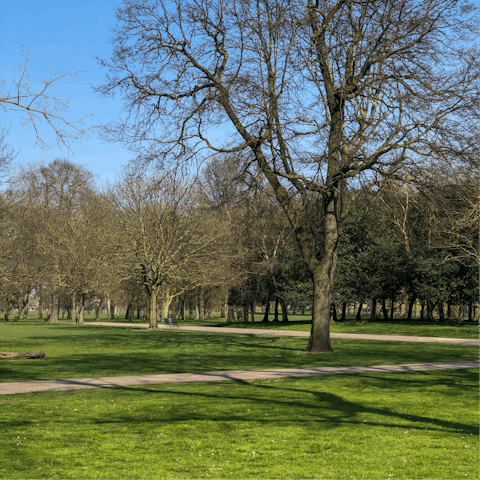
[(301, 323), (74, 351), (378, 426)]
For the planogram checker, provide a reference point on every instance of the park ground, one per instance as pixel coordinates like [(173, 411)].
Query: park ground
[(392, 426)]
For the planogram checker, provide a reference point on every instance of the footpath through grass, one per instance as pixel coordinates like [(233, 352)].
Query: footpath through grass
[(385, 426), (74, 351), (302, 323)]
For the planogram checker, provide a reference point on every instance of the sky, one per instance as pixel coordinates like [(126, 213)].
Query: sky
[(62, 36)]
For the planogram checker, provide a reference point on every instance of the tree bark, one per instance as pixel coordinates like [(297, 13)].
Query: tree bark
[(284, 311), (344, 311), (322, 292)]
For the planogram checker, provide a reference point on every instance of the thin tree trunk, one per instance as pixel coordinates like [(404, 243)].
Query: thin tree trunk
[(40, 307), (411, 304), (344, 311), (81, 316), (392, 307), (267, 310), (127, 312), (152, 299), (441, 315), (98, 309), (373, 313), (334, 313), (275, 318), (284, 311), (109, 313), (384, 310), (252, 312), (201, 305), (358, 317)]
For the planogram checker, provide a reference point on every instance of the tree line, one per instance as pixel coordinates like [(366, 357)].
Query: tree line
[(219, 241)]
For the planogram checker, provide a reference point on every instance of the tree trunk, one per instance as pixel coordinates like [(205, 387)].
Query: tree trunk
[(73, 306), (284, 311), (223, 310), (373, 313), (344, 311), (81, 316), (267, 310), (112, 311), (322, 293), (98, 309), (411, 304), (239, 315), (384, 310), (252, 312), (422, 311), (358, 317), (230, 314), (54, 308), (201, 305), (333, 309), (40, 307), (275, 318), (441, 314), (197, 309), (152, 300), (109, 312)]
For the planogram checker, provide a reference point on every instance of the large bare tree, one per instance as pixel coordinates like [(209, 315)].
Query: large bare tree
[(316, 94)]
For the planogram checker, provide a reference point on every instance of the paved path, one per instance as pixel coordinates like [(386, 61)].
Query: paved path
[(232, 375), (290, 333)]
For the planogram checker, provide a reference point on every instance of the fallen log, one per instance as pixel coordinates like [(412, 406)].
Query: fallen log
[(17, 355)]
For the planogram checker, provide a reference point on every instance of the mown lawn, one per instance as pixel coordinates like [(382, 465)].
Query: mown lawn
[(301, 323), (74, 351), (379, 426)]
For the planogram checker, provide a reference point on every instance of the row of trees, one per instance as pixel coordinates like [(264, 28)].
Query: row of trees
[(319, 96), (220, 241)]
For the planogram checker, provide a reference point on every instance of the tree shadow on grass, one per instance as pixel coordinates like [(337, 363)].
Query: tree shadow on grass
[(302, 405)]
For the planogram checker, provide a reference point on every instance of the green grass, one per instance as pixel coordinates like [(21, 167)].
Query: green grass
[(301, 323), (385, 426), (396, 327), (74, 351)]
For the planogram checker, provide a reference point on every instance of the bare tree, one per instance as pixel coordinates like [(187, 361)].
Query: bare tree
[(171, 245), (316, 94), (37, 106)]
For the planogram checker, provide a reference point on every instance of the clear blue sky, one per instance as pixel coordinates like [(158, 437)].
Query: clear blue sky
[(63, 36)]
